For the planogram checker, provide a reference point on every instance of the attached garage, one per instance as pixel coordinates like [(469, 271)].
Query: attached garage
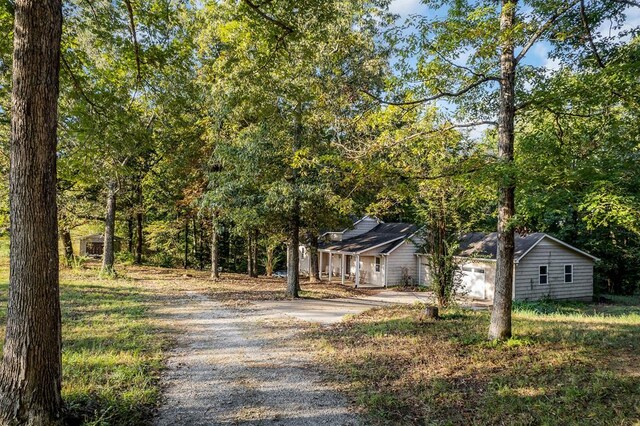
[(544, 267)]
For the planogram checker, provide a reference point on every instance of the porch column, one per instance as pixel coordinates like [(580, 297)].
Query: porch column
[(320, 255), (342, 265), (385, 270), (330, 265), (357, 270)]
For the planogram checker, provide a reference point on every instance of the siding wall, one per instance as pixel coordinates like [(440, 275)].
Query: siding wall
[(402, 257), (303, 261), (365, 225), (550, 253)]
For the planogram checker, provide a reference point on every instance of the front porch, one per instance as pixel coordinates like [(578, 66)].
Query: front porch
[(352, 269)]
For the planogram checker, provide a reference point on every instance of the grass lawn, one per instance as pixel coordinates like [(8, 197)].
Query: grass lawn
[(569, 363), (112, 349)]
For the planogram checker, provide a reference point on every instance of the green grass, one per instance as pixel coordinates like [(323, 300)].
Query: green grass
[(568, 363), (112, 350)]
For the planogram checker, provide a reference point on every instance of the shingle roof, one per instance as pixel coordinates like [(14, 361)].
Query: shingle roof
[(480, 244), (383, 237)]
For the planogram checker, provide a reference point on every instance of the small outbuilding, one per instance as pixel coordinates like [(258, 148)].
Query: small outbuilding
[(93, 245)]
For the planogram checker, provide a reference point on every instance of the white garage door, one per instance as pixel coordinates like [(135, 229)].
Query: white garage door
[(473, 283)]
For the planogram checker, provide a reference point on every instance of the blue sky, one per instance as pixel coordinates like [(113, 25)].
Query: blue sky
[(539, 54)]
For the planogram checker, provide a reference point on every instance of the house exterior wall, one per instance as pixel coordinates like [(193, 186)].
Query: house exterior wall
[(365, 225), (402, 257), (303, 261), (548, 252)]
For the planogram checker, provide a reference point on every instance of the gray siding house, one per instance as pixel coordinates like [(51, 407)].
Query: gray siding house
[(378, 254), (370, 253), (544, 267)]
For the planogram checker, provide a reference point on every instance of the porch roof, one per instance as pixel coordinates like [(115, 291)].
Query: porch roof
[(379, 240)]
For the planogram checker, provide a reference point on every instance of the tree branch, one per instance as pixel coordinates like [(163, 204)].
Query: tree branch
[(79, 88), (274, 21), (134, 37), (534, 38), (587, 31), (434, 97)]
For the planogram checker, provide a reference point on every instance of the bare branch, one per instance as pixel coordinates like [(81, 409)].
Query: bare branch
[(534, 38), (587, 30), (441, 94)]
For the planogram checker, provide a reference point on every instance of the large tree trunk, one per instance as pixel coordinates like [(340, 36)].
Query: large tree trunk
[(215, 254), (270, 255), (500, 327), (108, 256), (67, 243), (293, 243), (30, 374), (314, 272)]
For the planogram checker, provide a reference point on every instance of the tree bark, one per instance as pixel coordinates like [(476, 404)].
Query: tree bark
[(186, 243), (67, 243), (139, 238), (293, 244), (249, 263), (108, 256), (139, 224), (254, 256), (30, 374), (130, 234), (196, 256), (500, 327), (314, 272), (268, 266), (215, 253)]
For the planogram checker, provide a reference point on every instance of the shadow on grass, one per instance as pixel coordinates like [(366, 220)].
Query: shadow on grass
[(405, 370), (112, 351)]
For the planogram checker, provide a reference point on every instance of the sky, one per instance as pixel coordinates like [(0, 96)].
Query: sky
[(539, 54)]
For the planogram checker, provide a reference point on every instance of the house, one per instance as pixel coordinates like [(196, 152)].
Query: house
[(544, 267), (378, 254), (93, 245), (371, 253)]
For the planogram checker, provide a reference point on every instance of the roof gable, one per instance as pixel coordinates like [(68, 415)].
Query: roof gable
[(482, 245)]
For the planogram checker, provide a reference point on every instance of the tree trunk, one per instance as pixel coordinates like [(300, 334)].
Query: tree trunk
[(201, 247), (314, 272), (254, 256), (130, 234), (139, 218), (30, 375), (215, 256), (500, 327), (139, 238), (249, 256), (68, 246), (293, 244), (186, 243), (195, 243), (108, 256), (268, 265)]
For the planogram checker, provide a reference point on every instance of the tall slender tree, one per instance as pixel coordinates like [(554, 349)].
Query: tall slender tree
[(30, 375)]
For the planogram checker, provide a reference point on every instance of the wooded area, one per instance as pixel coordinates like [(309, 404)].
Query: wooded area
[(222, 135)]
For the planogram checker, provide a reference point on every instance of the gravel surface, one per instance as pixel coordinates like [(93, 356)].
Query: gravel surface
[(241, 367)]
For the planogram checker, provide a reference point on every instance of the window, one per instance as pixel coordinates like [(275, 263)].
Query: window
[(377, 264), (543, 274), (568, 273)]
